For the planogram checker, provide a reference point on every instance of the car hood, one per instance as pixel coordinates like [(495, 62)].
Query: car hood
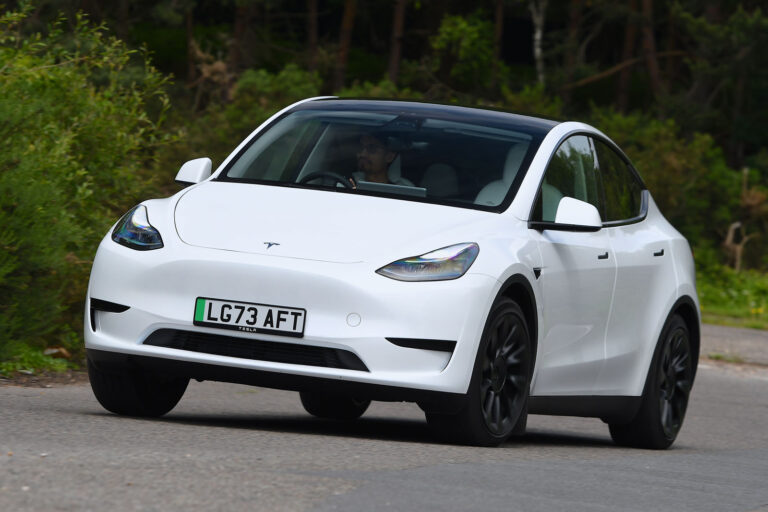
[(317, 224)]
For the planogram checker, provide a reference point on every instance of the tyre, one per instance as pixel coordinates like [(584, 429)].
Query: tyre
[(135, 393), (496, 403), (666, 393), (333, 406)]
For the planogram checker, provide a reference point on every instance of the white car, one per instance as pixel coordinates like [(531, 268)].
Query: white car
[(483, 264)]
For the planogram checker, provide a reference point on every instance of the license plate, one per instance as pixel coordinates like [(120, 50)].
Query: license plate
[(249, 317)]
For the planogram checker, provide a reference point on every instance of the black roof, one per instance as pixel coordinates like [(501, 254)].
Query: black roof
[(495, 118)]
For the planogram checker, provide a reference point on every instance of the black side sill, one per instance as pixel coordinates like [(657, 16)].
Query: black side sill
[(611, 409)]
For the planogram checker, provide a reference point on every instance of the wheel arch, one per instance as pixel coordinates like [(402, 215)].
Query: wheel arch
[(519, 289), (686, 308)]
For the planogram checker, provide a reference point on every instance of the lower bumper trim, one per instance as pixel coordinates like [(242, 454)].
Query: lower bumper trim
[(117, 362), (255, 349)]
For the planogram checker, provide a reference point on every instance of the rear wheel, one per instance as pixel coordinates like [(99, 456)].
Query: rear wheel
[(135, 393), (497, 398), (333, 406), (665, 398)]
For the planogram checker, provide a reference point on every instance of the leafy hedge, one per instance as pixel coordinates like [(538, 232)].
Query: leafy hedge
[(76, 138)]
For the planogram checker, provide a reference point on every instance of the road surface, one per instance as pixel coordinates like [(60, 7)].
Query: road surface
[(231, 447)]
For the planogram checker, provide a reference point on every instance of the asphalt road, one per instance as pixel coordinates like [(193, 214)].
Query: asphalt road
[(229, 447)]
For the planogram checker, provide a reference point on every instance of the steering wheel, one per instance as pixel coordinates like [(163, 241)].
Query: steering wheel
[(337, 178)]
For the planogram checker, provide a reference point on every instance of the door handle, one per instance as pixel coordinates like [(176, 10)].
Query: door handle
[(603, 256), (660, 253)]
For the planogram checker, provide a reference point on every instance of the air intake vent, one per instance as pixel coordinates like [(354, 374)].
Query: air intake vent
[(259, 350)]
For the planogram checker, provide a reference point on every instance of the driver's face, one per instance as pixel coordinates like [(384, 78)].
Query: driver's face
[(373, 158)]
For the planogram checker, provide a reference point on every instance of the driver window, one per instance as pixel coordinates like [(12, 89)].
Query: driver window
[(571, 173), (282, 147)]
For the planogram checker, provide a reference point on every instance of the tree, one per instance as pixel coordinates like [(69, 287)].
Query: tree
[(175, 13), (189, 25), (728, 84), (243, 13), (627, 52), (396, 41), (575, 11), (345, 39), (754, 207), (538, 10), (463, 52), (312, 41), (649, 50)]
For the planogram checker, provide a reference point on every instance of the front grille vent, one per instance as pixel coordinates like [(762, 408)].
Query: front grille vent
[(259, 350)]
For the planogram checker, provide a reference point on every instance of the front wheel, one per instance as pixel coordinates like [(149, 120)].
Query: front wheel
[(134, 393), (497, 398), (333, 406), (665, 398)]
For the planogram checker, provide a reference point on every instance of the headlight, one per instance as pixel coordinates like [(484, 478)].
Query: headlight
[(135, 231), (440, 265)]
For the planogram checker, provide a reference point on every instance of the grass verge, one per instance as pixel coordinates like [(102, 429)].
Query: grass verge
[(29, 360), (735, 299), (726, 358)]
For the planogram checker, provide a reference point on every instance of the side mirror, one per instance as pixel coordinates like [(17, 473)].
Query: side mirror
[(572, 212), (194, 171)]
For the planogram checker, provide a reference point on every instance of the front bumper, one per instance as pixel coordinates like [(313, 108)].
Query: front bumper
[(160, 288)]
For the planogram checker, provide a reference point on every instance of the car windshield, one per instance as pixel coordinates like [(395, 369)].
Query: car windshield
[(438, 159)]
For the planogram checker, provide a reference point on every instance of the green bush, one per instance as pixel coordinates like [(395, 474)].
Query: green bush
[(75, 140), (729, 297), (532, 100), (256, 96), (463, 52), (383, 89), (688, 177)]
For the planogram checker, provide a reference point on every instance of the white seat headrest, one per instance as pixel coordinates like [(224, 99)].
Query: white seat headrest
[(394, 173), (493, 193), (515, 157)]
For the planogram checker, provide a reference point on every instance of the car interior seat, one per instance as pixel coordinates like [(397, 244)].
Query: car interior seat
[(493, 193), (394, 173), (441, 180)]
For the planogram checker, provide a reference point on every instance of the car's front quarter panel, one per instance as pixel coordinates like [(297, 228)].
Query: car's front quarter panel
[(510, 253)]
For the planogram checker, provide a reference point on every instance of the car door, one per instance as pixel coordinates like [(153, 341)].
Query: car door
[(576, 279), (644, 271)]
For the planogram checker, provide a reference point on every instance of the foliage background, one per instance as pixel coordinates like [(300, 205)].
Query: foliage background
[(89, 126)]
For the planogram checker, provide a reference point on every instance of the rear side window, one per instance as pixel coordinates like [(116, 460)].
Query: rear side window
[(571, 173), (622, 189)]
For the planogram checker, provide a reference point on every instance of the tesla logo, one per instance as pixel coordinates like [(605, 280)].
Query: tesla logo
[(270, 244)]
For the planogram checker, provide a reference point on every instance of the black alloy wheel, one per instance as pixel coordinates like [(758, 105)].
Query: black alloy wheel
[(675, 377), (133, 392), (497, 399), (504, 378), (667, 390)]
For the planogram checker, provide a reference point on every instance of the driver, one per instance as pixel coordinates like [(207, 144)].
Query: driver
[(374, 158)]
